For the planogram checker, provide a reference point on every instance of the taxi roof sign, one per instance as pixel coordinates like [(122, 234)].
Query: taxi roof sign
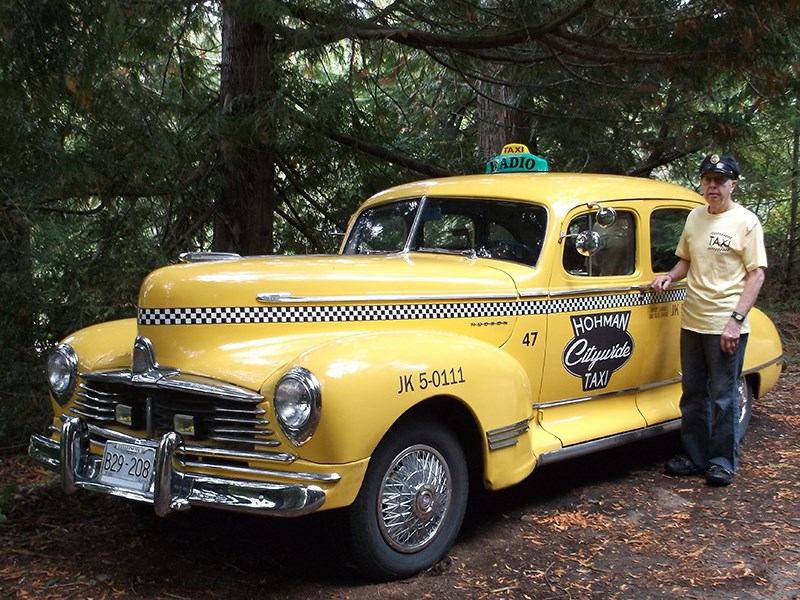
[(516, 158)]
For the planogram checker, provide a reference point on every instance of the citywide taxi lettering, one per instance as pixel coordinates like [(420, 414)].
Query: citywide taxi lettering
[(601, 346)]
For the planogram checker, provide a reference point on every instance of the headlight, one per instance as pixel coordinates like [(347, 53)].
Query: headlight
[(62, 372), (297, 402)]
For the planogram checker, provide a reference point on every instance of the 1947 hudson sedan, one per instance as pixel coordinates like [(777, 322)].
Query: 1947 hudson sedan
[(471, 329)]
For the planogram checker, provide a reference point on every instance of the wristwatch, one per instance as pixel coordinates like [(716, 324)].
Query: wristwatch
[(738, 317)]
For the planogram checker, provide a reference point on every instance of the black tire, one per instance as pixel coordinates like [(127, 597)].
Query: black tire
[(411, 504), (745, 405)]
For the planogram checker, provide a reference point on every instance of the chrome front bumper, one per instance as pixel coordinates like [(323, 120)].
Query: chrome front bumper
[(173, 489)]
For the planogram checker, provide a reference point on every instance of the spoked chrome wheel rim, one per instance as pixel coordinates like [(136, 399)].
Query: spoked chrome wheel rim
[(743, 400), (414, 498)]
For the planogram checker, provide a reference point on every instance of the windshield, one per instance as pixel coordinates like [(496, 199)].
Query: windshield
[(498, 229)]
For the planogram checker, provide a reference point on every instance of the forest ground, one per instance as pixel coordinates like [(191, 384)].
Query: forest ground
[(607, 526)]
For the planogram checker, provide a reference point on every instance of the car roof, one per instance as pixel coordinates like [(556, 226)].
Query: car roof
[(559, 191)]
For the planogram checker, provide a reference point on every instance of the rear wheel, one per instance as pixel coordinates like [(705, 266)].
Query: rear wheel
[(745, 405), (411, 504)]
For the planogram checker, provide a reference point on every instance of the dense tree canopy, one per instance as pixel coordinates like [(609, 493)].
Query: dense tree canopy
[(133, 130)]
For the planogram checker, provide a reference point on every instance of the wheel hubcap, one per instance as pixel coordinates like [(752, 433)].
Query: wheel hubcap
[(414, 498), (424, 503)]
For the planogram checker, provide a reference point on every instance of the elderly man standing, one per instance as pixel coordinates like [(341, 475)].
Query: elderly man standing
[(722, 255)]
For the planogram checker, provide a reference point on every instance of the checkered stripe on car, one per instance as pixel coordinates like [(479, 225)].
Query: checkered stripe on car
[(325, 314), (600, 302), (397, 311)]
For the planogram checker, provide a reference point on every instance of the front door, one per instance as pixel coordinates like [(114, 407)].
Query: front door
[(594, 352)]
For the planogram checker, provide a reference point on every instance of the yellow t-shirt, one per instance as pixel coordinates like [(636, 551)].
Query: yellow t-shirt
[(722, 249)]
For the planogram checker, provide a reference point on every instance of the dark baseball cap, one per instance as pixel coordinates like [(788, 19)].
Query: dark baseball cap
[(719, 163)]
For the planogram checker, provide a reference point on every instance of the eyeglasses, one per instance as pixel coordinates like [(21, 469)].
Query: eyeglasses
[(717, 180)]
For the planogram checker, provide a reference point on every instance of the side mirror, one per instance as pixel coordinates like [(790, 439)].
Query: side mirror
[(587, 243), (606, 216)]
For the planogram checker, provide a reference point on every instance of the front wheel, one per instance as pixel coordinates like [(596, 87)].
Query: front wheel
[(411, 504)]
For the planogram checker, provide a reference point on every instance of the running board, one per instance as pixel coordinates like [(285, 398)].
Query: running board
[(608, 442)]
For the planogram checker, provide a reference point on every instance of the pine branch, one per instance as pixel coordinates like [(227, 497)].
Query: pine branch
[(369, 148), (321, 31)]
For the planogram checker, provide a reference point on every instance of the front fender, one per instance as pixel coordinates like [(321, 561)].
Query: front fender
[(369, 381), (102, 346), (105, 345)]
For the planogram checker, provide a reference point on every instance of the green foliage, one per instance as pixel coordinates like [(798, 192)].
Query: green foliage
[(116, 144), (104, 163)]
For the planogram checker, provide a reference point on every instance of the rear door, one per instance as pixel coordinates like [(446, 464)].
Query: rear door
[(659, 396)]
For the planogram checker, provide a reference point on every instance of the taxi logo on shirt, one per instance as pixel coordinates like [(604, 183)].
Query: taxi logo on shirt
[(719, 242), (601, 346)]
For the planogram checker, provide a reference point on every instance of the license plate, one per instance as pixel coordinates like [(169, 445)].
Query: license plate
[(128, 466)]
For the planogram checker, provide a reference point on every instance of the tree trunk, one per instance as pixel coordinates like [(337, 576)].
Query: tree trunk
[(500, 120), (793, 236), (246, 205)]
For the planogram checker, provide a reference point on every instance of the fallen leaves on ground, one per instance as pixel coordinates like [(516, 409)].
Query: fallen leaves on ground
[(607, 526)]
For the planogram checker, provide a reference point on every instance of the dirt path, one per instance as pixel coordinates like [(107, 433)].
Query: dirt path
[(610, 526)]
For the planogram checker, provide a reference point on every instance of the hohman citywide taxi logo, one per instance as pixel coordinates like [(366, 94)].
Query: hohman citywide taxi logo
[(601, 346)]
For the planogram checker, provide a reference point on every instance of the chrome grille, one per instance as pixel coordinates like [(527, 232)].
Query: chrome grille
[(235, 422)]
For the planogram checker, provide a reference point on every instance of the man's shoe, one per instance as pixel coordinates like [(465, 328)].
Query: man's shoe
[(717, 475), (680, 466)]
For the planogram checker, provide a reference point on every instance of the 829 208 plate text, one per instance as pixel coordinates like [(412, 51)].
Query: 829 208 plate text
[(128, 466)]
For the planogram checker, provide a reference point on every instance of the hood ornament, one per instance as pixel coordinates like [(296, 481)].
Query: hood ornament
[(144, 367)]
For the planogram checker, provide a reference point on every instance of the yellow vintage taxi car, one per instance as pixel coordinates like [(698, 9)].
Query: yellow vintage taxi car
[(471, 329)]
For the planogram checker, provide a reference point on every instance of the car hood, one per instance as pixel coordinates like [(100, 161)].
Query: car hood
[(242, 320)]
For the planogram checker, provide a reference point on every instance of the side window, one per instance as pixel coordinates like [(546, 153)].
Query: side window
[(617, 250), (666, 226)]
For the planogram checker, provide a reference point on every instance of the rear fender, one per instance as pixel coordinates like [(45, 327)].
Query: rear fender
[(764, 352)]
